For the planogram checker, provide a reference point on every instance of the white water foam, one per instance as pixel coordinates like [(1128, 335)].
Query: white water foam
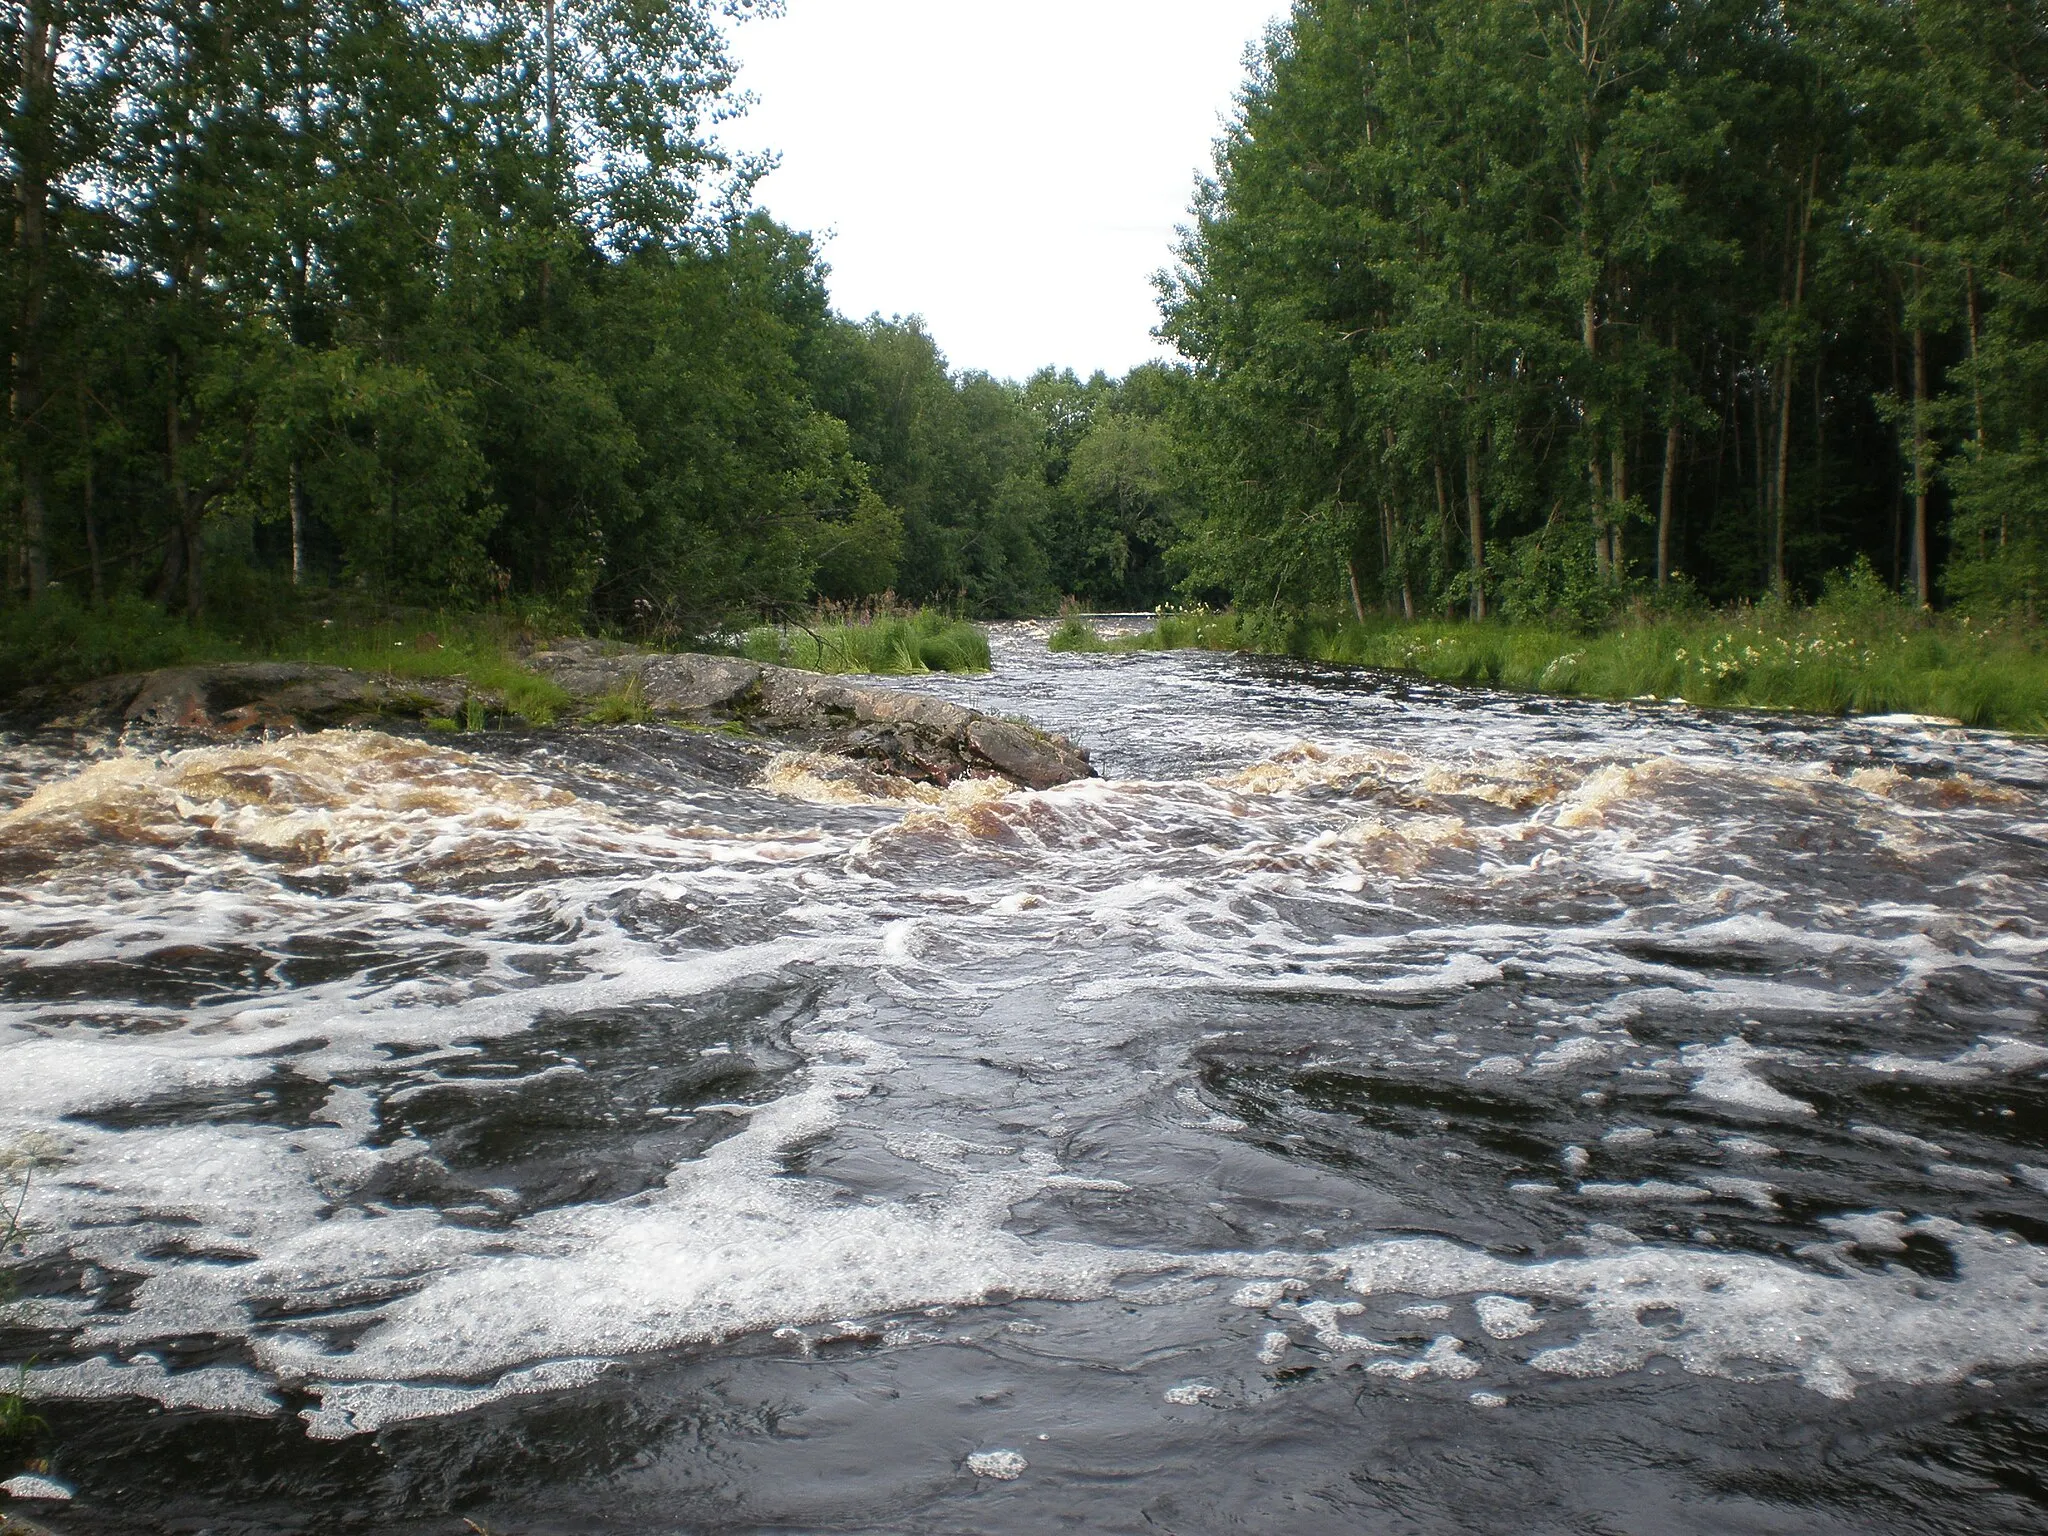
[(1729, 1315)]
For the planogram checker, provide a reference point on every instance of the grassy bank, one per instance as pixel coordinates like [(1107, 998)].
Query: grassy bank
[(61, 642), (1877, 659), (887, 643)]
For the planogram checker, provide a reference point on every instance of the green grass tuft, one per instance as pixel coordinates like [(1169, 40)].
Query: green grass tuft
[(1076, 634), (886, 644), (623, 705)]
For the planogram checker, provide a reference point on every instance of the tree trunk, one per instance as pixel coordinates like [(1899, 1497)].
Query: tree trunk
[(1779, 583), (186, 536), (31, 233), (1898, 481), (1589, 339), (297, 498), (1357, 602), (1786, 367), (1666, 494), (1976, 380), (1923, 586), (1443, 514), (1476, 524), (1617, 561), (1759, 421), (92, 527)]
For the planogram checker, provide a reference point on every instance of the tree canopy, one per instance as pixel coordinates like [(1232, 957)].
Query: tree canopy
[(1489, 306), (1513, 302)]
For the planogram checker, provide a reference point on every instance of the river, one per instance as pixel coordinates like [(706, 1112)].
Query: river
[(1371, 1106)]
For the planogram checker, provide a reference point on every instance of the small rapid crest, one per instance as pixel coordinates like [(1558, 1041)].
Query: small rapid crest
[(339, 797), (1478, 1046)]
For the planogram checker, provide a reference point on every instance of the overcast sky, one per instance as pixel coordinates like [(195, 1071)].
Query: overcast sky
[(1012, 170)]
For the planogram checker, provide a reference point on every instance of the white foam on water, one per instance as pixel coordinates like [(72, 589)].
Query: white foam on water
[(31, 1485), (1002, 1466), (363, 1408), (1324, 1319), (1990, 1056), (1727, 1077), (1729, 1314), (1900, 1139), (1146, 888), (1747, 1146), (216, 1388), (1444, 1360), (1504, 1317), (1962, 1173), (724, 1248), (1750, 1191)]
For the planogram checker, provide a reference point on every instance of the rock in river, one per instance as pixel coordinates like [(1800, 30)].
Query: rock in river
[(914, 735)]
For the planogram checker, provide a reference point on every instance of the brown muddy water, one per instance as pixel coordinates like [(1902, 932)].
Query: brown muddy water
[(1371, 1107)]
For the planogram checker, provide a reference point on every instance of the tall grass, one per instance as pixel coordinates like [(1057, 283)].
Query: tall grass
[(1884, 660), (887, 643)]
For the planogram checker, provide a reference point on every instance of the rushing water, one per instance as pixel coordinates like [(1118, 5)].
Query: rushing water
[(1371, 1107)]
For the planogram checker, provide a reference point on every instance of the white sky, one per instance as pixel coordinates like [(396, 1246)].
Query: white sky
[(1012, 170)]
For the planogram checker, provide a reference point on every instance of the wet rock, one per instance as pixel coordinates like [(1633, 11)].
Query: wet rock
[(671, 685), (234, 697), (889, 731), (910, 735)]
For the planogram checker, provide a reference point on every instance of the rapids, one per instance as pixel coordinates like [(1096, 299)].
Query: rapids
[(1370, 1106)]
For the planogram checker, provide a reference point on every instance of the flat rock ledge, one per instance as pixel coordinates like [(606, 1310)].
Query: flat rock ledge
[(912, 735)]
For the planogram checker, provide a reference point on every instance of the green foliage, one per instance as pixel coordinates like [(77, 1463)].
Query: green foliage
[(1075, 633), (1882, 659), (60, 642), (1858, 595), (887, 643), (1551, 577), (1484, 281)]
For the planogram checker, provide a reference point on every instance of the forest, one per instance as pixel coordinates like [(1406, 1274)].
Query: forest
[(464, 305), (1513, 305), (1534, 308)]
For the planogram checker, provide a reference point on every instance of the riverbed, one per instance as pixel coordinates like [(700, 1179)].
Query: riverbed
[(1369, 1106)]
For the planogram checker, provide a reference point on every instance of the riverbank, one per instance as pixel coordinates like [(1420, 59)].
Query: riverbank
[(1874, 661), (860, 728), (59, 644)]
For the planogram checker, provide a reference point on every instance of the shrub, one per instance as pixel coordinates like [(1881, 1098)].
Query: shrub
[(1076, 634)]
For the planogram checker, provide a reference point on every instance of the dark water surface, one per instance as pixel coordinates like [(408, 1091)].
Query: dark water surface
[(1373, 1107)]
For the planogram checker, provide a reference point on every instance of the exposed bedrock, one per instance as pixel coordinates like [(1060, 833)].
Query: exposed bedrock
[(914, 735)]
